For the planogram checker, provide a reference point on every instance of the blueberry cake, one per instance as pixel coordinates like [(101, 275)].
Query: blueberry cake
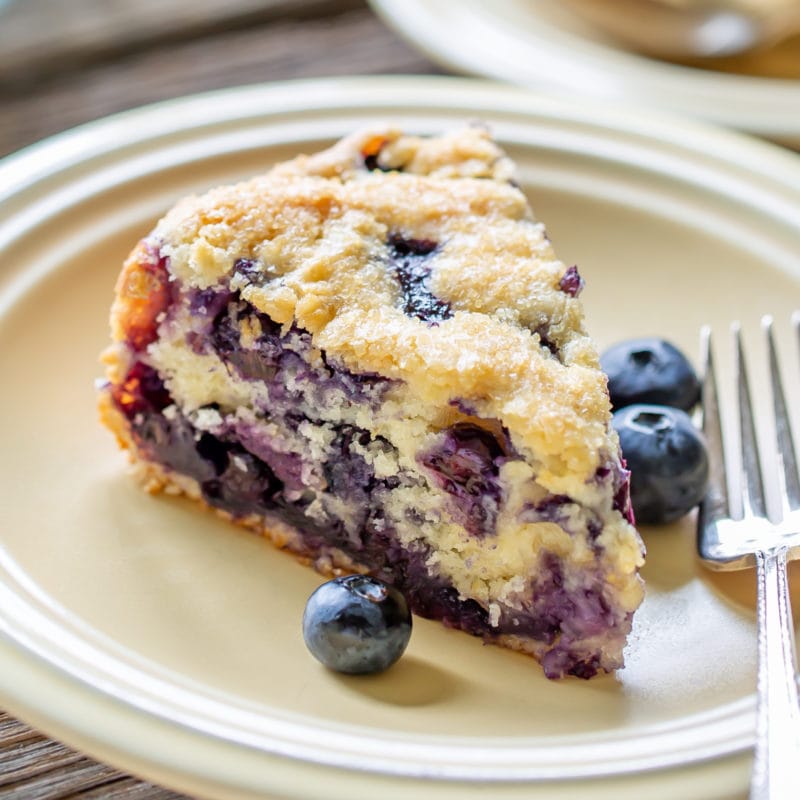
[(373, 356)]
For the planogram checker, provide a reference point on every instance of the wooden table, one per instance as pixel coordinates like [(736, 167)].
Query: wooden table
[(64, 62)]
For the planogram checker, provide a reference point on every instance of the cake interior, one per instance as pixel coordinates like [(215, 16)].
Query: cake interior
[(437, 503)]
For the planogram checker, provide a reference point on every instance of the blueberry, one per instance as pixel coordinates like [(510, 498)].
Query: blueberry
[(667, 458), (409, 259), (649, 371), (356, 624), (571, 282)]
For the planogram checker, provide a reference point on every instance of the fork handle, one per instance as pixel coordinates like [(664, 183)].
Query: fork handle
[(777, 755)]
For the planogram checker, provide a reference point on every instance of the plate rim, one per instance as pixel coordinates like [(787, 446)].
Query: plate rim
[(74, 148)]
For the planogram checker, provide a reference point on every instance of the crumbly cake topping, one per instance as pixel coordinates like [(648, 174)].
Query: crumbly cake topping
[(319, 228)]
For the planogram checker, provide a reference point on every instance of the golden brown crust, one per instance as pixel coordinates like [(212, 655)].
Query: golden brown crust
[(318, 225)]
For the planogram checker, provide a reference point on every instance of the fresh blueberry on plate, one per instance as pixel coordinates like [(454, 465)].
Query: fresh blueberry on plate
[(649, 370), (356, 624), (667, 458)]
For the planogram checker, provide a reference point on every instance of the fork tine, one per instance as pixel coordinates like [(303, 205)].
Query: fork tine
[(787, 459), (715, 504), (752, 486)]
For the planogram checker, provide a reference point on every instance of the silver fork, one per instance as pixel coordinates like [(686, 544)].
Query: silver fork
[(746, 535)]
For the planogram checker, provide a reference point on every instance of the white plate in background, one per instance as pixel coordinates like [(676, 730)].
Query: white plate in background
[(542, 45)]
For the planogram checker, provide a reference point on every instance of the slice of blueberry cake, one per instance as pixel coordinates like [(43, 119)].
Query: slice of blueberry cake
[(373, 356)]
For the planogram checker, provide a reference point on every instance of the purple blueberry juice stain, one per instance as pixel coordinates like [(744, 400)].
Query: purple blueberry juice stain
[(356, 386), (257, 363), (288, 466), (571, 282), (594, 528), (247, 485), (409, 260), (176, 444), (563, 660), (563, 616), (464, 407), (559, 510), (620, 476), (550, 509), (622, 497), (207, 303), (465, 463), (282, 360)]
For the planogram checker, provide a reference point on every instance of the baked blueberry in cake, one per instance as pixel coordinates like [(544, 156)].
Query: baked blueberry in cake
[(373, 356)]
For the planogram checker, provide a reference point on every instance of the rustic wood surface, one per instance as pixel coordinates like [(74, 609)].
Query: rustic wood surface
[(64, 62)]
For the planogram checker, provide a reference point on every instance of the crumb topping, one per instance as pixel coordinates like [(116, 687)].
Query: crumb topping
[(317, 233)]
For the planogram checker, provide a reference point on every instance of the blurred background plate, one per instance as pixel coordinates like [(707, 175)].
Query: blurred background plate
[(167, 642), (543, 45)]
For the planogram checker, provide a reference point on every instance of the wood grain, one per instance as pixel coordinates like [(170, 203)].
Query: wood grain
[(33, 767), (337, 39), (40, 37)]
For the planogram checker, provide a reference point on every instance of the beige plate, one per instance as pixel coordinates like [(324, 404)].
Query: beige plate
[(168, 642), (543, 45)]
